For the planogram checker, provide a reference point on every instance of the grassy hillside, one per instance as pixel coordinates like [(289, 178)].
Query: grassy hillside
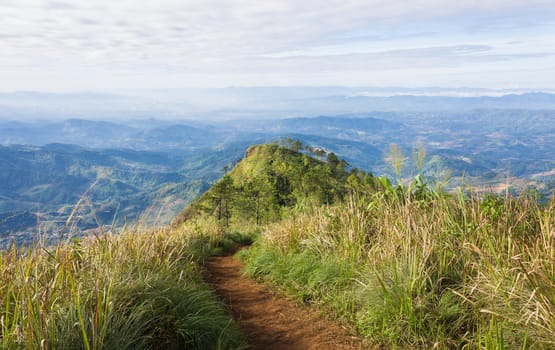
[(137, 290), (406, 265), (409, 266)]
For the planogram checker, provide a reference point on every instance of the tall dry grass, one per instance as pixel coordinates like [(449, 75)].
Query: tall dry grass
[(136, 290), (422, 268)]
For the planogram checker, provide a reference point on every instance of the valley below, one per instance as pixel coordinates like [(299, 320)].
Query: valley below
[(74, 175)]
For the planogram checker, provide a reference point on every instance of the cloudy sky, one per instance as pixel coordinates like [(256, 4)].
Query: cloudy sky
[(62, 45)]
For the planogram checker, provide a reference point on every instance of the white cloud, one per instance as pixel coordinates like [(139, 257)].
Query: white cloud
[(192, 43)]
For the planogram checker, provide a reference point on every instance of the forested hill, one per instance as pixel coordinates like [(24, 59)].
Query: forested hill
[(407, 265), (271, 178)]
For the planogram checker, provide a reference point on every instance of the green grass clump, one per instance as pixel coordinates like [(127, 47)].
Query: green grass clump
[(131, 291), (422, 269)]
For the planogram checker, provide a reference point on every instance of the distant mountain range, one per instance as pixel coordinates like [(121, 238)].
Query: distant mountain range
[(259, 103), (101, 134), (149, 169)]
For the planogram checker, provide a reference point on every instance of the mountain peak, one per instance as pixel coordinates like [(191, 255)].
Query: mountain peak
[(270, 179)]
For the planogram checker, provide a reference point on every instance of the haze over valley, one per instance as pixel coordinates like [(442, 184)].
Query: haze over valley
[(144, 165)]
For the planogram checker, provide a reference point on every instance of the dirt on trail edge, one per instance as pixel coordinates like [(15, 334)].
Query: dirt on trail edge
[(271, 322)]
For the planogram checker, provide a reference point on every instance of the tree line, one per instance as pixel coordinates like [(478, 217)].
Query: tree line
[(279, 176)]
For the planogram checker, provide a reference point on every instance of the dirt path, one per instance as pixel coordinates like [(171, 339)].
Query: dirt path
[(271, 322)]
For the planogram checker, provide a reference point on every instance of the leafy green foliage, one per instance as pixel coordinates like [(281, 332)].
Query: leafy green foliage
[(272, 180)]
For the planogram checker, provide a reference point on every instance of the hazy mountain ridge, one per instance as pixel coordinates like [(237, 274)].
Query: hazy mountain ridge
[(102, 134), (265, 103), (142, 161)]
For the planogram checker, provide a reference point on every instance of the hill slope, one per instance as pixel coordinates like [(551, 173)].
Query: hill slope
[(406, 265), (272, 179)]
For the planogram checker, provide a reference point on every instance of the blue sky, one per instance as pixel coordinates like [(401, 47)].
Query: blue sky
[(56, 45)]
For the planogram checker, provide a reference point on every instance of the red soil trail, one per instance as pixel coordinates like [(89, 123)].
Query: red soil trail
[(271, 322)]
